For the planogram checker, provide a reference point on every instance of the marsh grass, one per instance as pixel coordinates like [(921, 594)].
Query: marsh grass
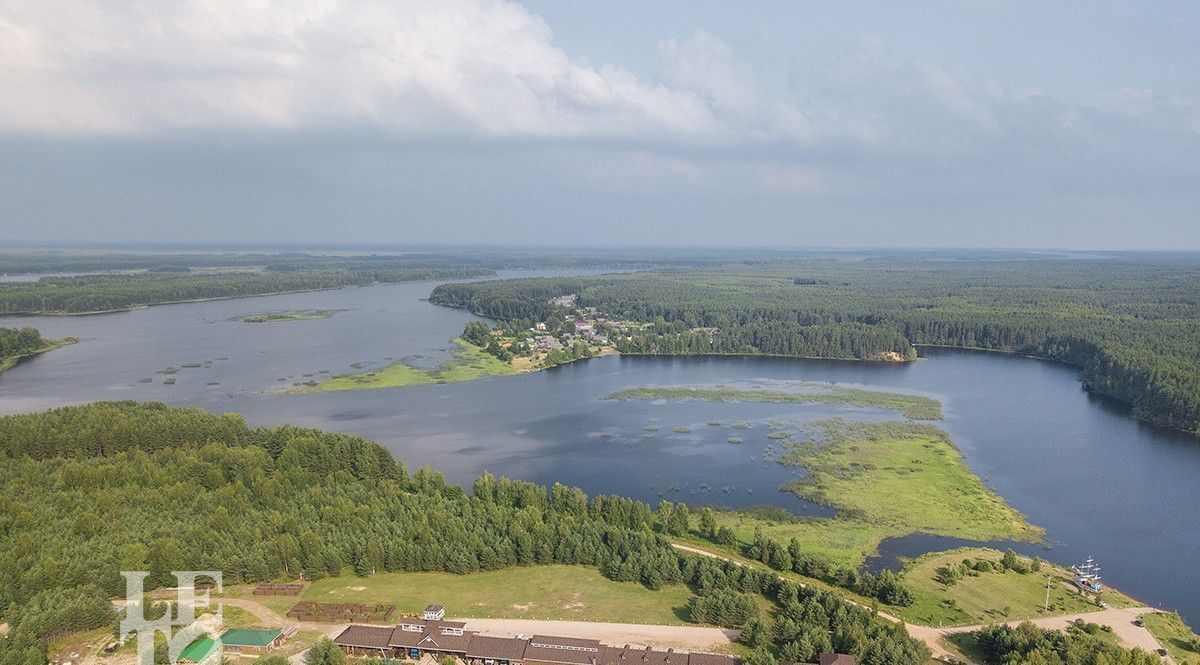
[(904, 477), (293, 315), (469, 363), (915, 407)]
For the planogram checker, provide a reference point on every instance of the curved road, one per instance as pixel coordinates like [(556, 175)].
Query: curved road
[(1120, 620)]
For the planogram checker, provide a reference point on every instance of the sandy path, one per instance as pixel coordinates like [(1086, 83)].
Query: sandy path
[(680, 638), (1120, 620)]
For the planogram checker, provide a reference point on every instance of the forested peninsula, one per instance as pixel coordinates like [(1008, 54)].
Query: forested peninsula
[(1131, 325), (104, 293), (18, 343)]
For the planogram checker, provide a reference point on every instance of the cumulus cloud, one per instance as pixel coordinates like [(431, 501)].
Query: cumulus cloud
[(485, 70), (473, 103), (472, 67)]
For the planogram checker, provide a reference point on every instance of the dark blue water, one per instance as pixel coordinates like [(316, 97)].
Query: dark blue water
[(1102, 484)]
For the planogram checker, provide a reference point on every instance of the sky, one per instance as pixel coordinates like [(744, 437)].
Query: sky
[(945, 123)]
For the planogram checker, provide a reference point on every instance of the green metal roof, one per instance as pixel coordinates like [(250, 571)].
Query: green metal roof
[(199, 650), (249, 637)]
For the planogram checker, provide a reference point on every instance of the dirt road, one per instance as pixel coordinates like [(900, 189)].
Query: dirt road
[(1120, 620), (680, 638)]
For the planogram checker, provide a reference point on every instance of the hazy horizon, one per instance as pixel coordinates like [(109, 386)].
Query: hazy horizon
[(960, 124)]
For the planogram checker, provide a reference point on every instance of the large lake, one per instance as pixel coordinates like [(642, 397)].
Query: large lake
[(1102, 484)]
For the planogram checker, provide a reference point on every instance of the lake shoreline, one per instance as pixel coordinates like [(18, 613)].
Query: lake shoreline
[(12, 361)]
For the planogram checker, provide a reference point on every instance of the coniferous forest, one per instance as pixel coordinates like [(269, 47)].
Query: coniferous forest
[(86, 492), (19, 341), (1130, 324)]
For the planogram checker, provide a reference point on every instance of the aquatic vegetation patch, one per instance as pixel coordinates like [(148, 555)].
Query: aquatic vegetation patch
[(291, 315), (916, 407), (469, 363), (902, 477)]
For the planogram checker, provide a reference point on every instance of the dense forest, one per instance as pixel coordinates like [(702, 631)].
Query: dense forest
[(19, 341), (114, 281), (98, 293), (1131, 324), (86, 492)]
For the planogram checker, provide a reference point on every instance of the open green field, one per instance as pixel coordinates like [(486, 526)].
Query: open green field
[(912, 406), (993, 596), (294, 315), (469, 363), (553, 592), (1177, 638)]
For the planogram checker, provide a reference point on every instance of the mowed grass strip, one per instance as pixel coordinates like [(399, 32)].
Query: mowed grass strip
[(1177, 638), (469, 363), (552, 592), (902, 478)]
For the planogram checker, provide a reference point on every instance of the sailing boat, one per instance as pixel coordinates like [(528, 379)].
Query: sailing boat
[(1087, 576)]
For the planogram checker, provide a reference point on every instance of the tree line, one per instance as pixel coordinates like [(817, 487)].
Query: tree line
[(98, 293), (15, 342), (1130, 324), (1081, 644), (89, 491)]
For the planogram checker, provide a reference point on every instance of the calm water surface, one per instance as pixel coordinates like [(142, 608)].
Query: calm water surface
[(1100, 483)]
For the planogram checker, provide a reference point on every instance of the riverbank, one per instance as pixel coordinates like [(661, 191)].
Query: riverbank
[(11, 361)]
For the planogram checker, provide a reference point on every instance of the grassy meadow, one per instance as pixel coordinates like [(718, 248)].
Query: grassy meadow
[(990, 596), (554, 592), (1177, 638)]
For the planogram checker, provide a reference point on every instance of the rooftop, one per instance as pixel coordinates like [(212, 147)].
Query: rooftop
[(197, 651), (367, 637), (250, 637)]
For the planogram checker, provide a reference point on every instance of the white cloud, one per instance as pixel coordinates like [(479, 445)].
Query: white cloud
[(489, 70), (454, 67)]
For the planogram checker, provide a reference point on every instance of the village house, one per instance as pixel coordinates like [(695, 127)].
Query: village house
[(432, 635)]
